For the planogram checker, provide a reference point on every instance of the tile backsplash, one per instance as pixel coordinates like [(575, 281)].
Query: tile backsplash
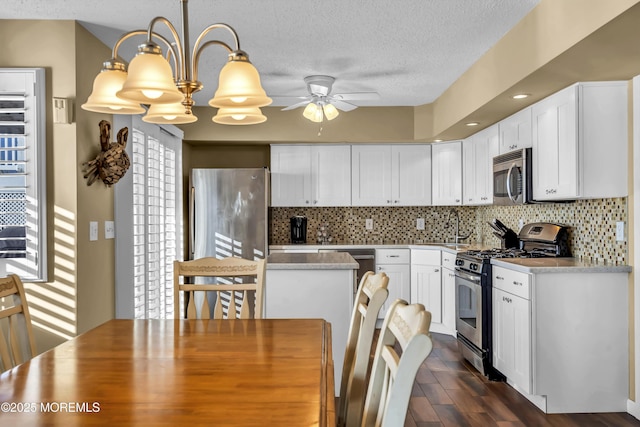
[(592, 235)]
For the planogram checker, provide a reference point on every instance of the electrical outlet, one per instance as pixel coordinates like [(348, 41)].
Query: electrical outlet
[(520, 223), (93, 230), (620, 231), (368, 224), (109, 230), (420, 223)]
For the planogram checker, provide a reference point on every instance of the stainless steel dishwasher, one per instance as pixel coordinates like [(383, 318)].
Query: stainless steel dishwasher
[(366, 259)]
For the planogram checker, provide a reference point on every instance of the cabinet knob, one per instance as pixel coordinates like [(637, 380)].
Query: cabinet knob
[(315, 202), (517, 283), (396, 201), (306, 201), (507, 300), (499, 277), (388, 201), (457, 200), (436, 270)]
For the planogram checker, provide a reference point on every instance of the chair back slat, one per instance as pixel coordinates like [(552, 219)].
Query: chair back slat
[(16, 335), (232, 275)]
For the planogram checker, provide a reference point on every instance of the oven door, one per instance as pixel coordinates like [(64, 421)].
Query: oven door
[(469, 307)]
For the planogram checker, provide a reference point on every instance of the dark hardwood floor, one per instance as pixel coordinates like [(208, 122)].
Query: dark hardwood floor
[(448, 391)]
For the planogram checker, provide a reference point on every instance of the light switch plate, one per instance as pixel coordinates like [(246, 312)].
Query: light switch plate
[(368, 224), (420, 223), (109, 230), (93, 230), (620, 231)]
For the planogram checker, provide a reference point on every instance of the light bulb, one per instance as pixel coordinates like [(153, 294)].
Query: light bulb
[(238, 99), (152, 94), (169, 117), (238, 116), (115, 108)]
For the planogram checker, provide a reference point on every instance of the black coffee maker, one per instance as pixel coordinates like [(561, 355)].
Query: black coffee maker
[(298, 229)]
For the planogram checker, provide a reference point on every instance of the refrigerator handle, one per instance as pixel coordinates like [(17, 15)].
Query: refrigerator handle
[(192, 226)]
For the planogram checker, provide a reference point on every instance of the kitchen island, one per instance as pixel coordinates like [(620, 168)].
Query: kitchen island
[(313, 285)]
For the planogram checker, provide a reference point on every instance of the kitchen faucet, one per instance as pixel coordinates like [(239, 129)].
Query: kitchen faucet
[(457, 236)]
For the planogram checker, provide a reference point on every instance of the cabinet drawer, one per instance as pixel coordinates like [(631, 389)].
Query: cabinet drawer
[(448, 260), (425, 256), (393, 256), (514, 282)]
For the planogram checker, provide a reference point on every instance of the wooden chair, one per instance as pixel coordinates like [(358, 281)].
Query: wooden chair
[(392, 374), (231, 298), (372, 293), (19, 346)]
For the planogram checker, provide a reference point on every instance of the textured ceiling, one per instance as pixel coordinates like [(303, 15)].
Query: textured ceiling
[(409, 51)]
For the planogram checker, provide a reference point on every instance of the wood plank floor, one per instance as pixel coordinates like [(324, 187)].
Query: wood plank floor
[(448, 391)]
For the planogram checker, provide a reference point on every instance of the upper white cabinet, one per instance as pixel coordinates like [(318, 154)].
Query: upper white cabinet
[(391, 175), (310, 175), (580, 142), (477, 166), (447, 173), (515, 131)]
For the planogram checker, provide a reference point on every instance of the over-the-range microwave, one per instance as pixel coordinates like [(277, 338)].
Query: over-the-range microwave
[(512, 178)]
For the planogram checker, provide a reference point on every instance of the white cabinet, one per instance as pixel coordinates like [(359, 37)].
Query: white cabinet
[(515, 131), (391, 175), (448, 293), (477, 166), (446, 173), (561, 337), (395, 263), (310, 175), (512, 326), (426, 281), (580, 142)]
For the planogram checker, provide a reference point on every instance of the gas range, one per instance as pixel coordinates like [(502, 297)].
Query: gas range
[(473, 260)]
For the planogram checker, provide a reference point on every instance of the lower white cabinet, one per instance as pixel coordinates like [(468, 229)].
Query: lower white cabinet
[(395, 263), (426, 288), (448, 293)]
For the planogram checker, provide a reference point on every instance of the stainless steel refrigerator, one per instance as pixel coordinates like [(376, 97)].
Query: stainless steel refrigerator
[(228, 213)]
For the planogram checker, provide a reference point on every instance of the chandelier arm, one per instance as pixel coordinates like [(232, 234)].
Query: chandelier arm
[(170, 47), (196, 57), (181, 68)]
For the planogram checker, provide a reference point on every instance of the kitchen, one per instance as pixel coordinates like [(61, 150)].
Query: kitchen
[(248, 147)]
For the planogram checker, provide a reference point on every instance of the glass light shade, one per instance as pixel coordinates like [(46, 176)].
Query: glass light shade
[(103, 98), (239, 86), (168, 113), (150, 81), (239, 116), (310, 110), (330, 111)]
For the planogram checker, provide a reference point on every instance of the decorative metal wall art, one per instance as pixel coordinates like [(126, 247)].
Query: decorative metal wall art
[(112, 162)]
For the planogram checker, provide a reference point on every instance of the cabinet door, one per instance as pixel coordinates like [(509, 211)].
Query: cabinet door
[(371, 175), (446, 173), (477, 166), (290, 175), (411, 175), (512, 337), (449, 300), (555, 141), (515, 131), (399, 284), (331, 175), (426, 289)]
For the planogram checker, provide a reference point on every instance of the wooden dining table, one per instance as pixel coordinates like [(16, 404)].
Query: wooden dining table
[(269, 372)]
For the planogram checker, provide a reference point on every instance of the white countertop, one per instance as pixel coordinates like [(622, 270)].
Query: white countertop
[(558, 265), (450, 247), (311, 261)]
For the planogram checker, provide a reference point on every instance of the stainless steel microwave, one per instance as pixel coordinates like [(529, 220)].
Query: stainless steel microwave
[(512, 178)]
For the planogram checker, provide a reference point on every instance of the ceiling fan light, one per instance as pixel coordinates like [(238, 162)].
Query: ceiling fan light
[(239, 116), (103, 97), (239, 85), (169, 114), (310, 110), (150, 79), (330, 111)]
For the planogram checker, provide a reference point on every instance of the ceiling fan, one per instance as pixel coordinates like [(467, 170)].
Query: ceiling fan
[(320, 103)]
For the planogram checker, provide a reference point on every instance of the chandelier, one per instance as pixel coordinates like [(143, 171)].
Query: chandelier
[(168, 92)]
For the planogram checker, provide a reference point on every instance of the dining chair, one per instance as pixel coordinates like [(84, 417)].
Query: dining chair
[(405, 328), (372, 293), (17, 344), (227, 288)]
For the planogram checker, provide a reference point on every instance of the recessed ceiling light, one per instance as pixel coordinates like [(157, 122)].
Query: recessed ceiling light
[(473, 124), (520, 96), (437, 140)]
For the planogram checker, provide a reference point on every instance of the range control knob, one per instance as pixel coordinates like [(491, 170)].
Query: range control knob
[(459, 262), (473, 266)]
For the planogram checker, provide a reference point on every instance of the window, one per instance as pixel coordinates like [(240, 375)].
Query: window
[(149, 204), (22, 176)]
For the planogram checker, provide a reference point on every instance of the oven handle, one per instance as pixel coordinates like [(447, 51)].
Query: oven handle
[(475, 278), (509, 183)]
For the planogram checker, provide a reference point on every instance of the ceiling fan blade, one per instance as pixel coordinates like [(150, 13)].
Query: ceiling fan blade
[(296, 105), (357, 96), (344, 106)]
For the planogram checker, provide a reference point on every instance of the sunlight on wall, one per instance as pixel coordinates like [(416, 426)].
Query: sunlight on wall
[(53, 304)]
